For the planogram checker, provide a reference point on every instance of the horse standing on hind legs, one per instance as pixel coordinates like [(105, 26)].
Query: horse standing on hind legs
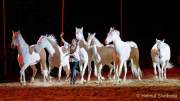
[(160, 54), (28, 57), (123, 50), (56, 56)]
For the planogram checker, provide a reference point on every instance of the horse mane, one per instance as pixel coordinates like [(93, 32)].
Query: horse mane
[(51, 38), (97, 41)]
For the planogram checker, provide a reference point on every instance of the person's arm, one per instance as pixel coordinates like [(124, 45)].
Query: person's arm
[(62, 39)]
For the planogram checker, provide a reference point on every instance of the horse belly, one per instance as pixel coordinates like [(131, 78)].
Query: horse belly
[(54, 61), (106, 56), (35, 57)]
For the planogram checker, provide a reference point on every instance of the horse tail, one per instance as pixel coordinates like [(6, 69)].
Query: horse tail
[(132, 44), (135, 68), (136, 71), (169, 65)]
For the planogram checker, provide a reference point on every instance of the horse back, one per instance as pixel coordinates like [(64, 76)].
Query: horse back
[(106, 54)]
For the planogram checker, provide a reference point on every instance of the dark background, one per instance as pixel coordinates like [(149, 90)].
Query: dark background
[(143, 22)]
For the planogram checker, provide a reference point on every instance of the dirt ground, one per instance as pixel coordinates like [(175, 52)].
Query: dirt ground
[(148, 89)]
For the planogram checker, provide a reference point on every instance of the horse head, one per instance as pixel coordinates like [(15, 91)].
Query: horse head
[(79, 33), (44, 42), (111, 35), (90, 38), (14, 42), (159, 43)]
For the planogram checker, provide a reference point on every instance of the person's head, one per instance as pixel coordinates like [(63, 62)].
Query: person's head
[(74, 42)]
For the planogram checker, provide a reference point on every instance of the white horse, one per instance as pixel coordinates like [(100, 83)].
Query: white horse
[(160, 54), (28, 57), (123, 50), (56, 56)]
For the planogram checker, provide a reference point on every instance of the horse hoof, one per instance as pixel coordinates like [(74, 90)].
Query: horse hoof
[(23, 83), (81, 82), (97, 82), (32, 80), (140, 79), (84, 81), (102, 78)]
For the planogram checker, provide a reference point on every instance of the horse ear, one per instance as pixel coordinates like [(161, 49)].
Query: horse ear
[(94, 34), (81, 28), (163, 40), (110, 28), (156, 39)]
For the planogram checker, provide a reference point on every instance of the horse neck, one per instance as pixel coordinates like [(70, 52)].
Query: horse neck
[(117, 42), (97, 42), (49, 47), (83, 44), (22, 45)]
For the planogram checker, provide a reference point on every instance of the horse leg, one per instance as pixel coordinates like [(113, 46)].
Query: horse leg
[(22, 74), (59, 73), (155, 71), (111, 67), (67, 70), (120, 68), (95, 70), (34, 69), (83, 71), (89, 71), (125, 71), (44, 70), (116, 74), (164, 70), (80, 66), (159, 70), (45, 73), (165, 73), (100, 71), (140, 73), (50, 68)]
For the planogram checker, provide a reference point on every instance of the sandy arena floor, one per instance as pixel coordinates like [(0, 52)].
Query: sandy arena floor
[(148, 89)]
